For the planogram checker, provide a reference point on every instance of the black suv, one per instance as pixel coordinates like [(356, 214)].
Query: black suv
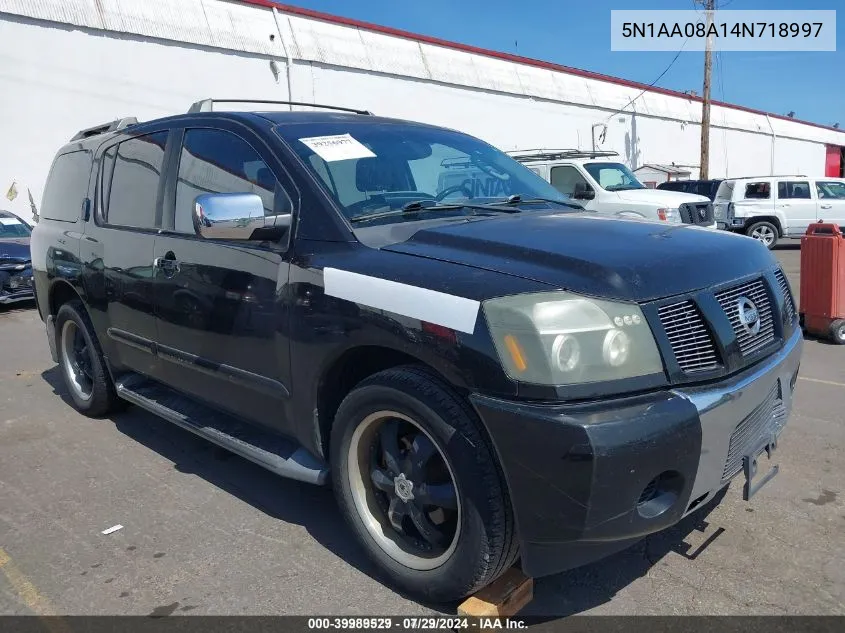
[(707, 188), (483, 379)]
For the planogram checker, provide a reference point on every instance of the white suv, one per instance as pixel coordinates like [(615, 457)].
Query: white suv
[(771, 207), (607, 186)]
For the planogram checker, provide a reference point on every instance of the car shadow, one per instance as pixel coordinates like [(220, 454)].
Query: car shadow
[(787, 245), (24, 305), (579, 590), (314, 508)]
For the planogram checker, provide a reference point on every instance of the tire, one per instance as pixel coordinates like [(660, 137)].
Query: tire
[(477, 532), (765, 232), (837, 331), (81, 362)]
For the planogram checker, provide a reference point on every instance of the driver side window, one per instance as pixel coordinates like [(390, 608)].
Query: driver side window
[(217, 161), (566, 178)]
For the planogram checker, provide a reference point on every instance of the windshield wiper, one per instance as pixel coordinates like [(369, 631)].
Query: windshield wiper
[(410, 208), (518, 199), (425, 206)]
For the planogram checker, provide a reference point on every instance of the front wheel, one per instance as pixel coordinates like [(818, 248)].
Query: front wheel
[(764, 232), (837, 331), (418, 482)]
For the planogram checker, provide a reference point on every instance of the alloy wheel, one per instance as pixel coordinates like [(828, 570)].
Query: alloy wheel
[(76, 360), (765, 234), (404, 490)]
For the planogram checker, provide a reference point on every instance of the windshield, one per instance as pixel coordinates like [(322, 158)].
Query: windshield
[(376, 168), (12, 227), (613, 176)]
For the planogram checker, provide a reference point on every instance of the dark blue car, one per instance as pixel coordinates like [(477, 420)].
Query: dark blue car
[(15, 260)]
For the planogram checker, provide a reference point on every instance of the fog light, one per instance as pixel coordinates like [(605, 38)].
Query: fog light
[(616, 348), (660, 494)]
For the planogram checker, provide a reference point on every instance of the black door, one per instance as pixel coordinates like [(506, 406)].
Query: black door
[(119, 251), (219, 303)]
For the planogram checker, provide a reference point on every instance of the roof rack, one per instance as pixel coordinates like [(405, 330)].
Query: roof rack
[(112, 126), (207, 105), (557, 154), (456, 162), (770, 176)]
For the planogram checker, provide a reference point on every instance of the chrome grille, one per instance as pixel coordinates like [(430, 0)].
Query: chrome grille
[(766, 419), (691, 341), (756, 292), (788, 304)]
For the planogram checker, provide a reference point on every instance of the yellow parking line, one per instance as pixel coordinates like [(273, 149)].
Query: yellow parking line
[(823, 382), (30, 595)]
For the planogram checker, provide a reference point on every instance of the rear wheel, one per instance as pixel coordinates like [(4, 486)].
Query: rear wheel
[(418, 483), (81, 362), (837, 331), (765, 232)]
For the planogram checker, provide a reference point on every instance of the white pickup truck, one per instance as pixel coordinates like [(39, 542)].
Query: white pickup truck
[(600, 183)]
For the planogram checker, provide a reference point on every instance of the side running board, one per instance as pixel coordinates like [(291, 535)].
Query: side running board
[(274, 452)]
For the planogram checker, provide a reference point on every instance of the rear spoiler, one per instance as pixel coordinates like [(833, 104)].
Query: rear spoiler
[(112, 126)]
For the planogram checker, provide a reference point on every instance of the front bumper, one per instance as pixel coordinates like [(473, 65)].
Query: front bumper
[(589, 480), (15, 285), (24, 294)]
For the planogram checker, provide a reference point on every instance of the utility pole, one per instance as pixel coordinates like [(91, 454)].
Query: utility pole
[(709, 7)]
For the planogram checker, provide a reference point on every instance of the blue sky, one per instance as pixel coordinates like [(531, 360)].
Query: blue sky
[(577, 33)]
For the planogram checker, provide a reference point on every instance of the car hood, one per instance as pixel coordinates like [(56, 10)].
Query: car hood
[(614, 258), (14, 249), (668, 199)]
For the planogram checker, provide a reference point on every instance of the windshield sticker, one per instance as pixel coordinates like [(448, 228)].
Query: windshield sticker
[(337, 147), (10, 221)]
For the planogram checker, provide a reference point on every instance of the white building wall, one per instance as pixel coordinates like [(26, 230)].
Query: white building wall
[(69, 64)]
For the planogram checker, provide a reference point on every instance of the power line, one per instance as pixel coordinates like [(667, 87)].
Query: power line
[(651, 85)]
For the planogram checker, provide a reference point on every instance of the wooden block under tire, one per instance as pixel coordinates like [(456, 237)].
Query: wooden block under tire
[(504, 597)]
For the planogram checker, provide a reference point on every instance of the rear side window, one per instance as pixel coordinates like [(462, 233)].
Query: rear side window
[(67, 187), (758, 190), (794, 189), (133, 188)]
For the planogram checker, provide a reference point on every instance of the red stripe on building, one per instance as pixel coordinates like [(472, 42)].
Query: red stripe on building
[(466, 48)]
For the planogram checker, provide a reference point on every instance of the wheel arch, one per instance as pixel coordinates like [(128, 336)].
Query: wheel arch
[(351, 366), (773, 219), (60, 292)]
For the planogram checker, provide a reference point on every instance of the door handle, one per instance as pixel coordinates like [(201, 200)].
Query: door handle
[(826, 206), (166, 265)]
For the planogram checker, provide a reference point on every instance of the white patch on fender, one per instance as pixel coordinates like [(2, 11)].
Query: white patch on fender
[(457, 313)]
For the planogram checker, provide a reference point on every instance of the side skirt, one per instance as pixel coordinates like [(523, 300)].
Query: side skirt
[(274, 452)]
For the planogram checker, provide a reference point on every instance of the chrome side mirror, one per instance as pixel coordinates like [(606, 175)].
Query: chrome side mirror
[(228, 216)]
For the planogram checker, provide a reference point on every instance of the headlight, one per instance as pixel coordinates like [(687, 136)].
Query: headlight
[(560, 338), (669, 215)]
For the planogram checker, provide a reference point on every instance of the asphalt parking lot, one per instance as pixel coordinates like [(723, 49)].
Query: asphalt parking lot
[(206, 532)]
